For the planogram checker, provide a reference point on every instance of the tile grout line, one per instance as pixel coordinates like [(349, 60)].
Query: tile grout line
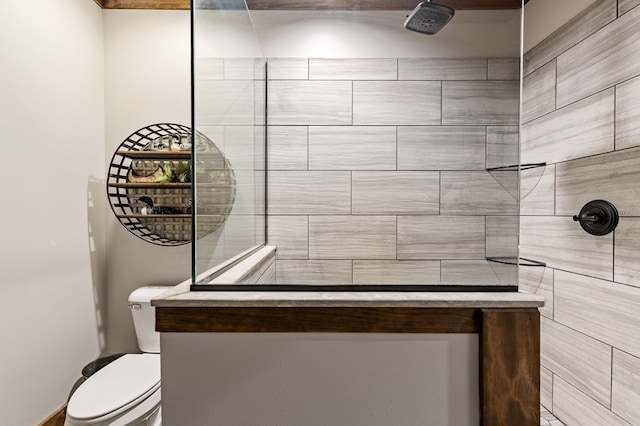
[(611, 382), (485, 236), (350, 192), (547, 114), (555, 87), (352, 103), (553, 380), (589, 397), (396, 237), (308, 147), (537, 47), (486, 69), (553, 293), (582, 333), (615, 111), (441, 102), (397, 147), (439, 192), (351, 271), (308, 237)]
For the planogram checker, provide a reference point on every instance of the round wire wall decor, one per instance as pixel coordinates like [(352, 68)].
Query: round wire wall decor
[(150, 184)]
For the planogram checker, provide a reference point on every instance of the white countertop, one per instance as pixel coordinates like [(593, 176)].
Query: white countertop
[(180, 296)]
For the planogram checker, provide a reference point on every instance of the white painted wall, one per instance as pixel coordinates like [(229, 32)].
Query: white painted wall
[(349, 34), (147, 81), (69, 72), (354, 34), (52, 249), (543, 17), (225, 34)]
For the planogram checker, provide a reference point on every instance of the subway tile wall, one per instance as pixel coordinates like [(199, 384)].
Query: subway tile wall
[(377, 170), (580, 115)]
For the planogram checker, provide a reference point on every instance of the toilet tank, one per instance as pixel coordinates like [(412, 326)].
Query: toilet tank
[(144, 317)]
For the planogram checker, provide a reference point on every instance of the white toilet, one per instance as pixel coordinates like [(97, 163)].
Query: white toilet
[(126, 391)]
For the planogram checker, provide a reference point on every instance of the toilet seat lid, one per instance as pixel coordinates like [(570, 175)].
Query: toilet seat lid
[(119, 385)]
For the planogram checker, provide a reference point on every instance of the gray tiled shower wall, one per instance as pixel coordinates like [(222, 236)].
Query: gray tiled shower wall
[(581, 115), (377, 169)]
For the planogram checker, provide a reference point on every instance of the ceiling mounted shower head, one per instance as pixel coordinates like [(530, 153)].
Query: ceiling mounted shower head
[(428, 18)]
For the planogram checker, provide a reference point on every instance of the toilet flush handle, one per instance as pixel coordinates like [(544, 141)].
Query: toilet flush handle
[(135, 306)]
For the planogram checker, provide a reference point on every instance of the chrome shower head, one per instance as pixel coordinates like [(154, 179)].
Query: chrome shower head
[(428, 18)]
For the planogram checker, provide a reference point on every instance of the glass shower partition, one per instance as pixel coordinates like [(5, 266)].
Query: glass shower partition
[(402, 154), (229, 103)]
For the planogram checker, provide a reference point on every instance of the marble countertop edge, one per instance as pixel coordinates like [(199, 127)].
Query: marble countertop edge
[(182, 297)]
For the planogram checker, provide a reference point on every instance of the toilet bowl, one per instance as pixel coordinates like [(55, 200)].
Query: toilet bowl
[(127, 390)]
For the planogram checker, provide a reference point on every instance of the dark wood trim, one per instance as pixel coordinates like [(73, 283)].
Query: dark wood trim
[(314, 5), (317, 320), (147, 4), (99, 3), (509, 357), (57, 418), (510, 367)]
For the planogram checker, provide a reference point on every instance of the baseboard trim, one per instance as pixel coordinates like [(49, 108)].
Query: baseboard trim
[(57, 418)]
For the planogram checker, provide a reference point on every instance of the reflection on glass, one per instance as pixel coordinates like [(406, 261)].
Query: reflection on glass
[(395, 155), (229, 110)]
